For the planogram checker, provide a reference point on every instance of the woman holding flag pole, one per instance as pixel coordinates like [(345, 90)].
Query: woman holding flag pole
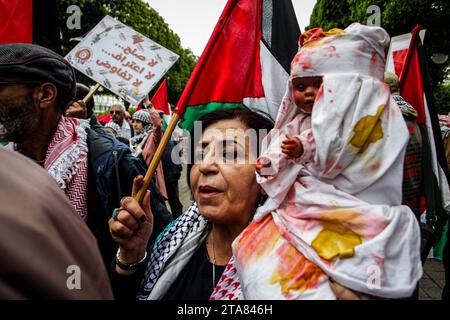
[(188, 258), (193, 230)]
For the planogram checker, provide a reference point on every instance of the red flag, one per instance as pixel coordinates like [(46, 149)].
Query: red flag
[(28, 21), (415, 88), (16, 18), (399, 60), (230, 59), (160, 99), (411, 81), (246, 61), (105, 118)]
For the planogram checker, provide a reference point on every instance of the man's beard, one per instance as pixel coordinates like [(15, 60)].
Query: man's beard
[(19, 118), (117, 121)]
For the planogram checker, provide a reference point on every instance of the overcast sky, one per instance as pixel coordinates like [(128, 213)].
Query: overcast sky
[(194, 20)]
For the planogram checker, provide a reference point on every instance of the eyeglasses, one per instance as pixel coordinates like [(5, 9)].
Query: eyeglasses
[(115, 112), (12, 82)]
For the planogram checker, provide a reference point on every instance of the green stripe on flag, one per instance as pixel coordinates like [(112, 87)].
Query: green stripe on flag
[(164, 124), (194, 112)]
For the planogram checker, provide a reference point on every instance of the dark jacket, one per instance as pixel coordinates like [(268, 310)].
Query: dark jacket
[(172, 171), (112, 169)]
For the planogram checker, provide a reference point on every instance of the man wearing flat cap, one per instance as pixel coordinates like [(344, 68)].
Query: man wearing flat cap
[(36, 86)]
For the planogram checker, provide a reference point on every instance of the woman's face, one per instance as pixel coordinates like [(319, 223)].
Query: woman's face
[(223, 182), (137, 126)]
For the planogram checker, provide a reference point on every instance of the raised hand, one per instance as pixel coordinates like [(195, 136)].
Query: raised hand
[(77, 110), (132, 226)]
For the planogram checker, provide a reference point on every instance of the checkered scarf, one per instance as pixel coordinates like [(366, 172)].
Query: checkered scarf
[(171, 252), (67, 162)]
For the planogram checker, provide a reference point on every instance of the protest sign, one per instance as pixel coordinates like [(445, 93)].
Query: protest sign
[(121, 59)]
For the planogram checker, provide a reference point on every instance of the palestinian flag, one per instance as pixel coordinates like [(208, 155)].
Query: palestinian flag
[(406, 58), (30, 21), (105, 118), (160, 99), (246, 62), (160, 102)]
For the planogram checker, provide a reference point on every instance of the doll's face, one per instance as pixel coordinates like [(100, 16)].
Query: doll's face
[(304, 91)]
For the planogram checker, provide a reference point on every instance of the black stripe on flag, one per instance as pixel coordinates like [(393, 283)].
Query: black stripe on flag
[(280, 30), (436, 215), (46, 30), (426, 82)]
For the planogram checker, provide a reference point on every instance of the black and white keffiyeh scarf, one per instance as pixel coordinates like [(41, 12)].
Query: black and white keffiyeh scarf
[(171, 252), (138, 142)]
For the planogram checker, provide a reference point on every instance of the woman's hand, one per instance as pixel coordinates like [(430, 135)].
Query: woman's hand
[(132, 227), (262, 165), (155, 117), (343, 293)]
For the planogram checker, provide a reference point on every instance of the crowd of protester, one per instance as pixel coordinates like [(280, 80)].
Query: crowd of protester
[(68, 187)]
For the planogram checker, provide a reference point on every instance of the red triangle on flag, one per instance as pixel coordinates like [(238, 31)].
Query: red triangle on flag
[(17, 21), (160, 99), (412, 87), (399, 60), (242, 66), (411, 82), (229, 68), (105, 118)]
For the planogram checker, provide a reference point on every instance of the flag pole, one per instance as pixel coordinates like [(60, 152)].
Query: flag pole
[(91, 92), (157, 157)]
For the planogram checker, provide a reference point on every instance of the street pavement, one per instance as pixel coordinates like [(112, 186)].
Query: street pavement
[(433, 280)]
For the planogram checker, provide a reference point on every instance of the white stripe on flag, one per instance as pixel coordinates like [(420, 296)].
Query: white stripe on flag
[(274, 79)]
